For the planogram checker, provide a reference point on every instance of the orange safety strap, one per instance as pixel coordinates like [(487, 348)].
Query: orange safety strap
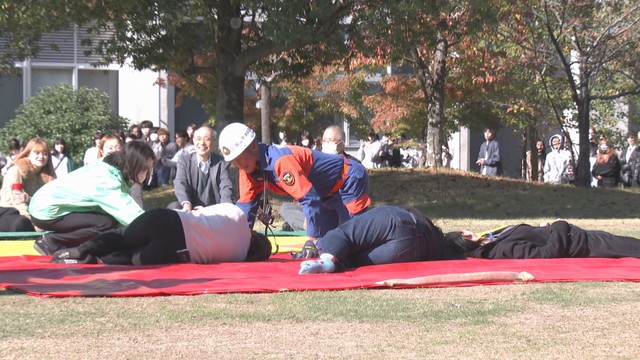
[(341, 180)]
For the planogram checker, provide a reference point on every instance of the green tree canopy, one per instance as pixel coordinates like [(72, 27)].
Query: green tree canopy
[(210, 47), (75, 115)]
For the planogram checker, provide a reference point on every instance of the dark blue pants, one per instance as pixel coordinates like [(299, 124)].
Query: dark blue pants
[(382, 235)]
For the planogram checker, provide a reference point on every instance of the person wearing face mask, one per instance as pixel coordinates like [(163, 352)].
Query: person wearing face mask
[(329, 188), (333, 144), (306, 140), (557, 162), (607, 166), (282, 136), (90, 200), (30, 170)]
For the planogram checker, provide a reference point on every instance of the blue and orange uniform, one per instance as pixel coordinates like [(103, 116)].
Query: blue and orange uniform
[(330, 189), (355, 196)]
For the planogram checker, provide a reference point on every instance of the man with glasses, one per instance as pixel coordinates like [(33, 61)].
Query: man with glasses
[(202, 177)]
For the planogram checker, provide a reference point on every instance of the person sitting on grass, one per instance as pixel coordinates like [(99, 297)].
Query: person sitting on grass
[(31, 169), (557, 240), (382, 235), (204, 235)]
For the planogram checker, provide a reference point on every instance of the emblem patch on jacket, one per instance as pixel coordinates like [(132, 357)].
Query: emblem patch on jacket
[(288, 178)]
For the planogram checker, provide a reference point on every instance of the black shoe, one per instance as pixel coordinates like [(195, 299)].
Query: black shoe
[(41, 246), (286, 227)]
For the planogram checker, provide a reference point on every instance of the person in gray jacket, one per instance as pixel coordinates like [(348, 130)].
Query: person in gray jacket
[(202, 177)]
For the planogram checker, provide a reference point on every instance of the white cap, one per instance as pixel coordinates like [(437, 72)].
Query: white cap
[(234, 138)]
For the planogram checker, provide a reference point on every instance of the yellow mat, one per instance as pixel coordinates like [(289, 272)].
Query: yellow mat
[(287, 244), (25, 247), (17, 247)]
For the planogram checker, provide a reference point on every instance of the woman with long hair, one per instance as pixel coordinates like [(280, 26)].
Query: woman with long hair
[(91, 200), (607, 166), (61, 158), (30, 170)]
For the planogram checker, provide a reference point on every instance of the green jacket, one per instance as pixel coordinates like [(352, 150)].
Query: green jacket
[(97, 187)]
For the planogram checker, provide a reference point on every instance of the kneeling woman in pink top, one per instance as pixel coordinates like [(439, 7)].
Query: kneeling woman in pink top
[(206, 235)]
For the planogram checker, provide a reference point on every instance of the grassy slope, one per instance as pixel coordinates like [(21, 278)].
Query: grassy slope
[(455, 199)]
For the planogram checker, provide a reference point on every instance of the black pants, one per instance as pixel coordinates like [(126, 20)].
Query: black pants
[(75, 228), (607, 245), (155, 237), (12, 221)]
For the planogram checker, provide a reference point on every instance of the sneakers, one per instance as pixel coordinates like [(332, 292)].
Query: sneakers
[(41, 246)]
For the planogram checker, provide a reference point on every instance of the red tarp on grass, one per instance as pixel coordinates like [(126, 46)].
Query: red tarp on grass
[(34, 275)]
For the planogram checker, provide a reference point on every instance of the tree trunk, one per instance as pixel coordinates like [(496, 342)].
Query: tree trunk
[(533, 142), (230, 74), (583, 177), (265, 111), (229, 100), (436, 119), (584, 167)]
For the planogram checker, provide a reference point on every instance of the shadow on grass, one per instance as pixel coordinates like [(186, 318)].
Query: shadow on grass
[(455, 194)]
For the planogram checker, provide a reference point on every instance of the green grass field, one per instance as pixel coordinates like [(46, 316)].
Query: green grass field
[(524, 321)]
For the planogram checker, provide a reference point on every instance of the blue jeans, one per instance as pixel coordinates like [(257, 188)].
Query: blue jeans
[(382, 235)]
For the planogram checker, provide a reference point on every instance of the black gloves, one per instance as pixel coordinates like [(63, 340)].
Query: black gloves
[(309, 250)]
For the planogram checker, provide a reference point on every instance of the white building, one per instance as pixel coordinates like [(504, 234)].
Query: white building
[(134, 94)]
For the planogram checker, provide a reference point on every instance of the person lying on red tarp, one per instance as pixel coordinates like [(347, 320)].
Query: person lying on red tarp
[(205, 235), (382, 235), (557, 240)]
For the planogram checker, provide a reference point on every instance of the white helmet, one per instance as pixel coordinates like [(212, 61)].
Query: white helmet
[(234, 138)]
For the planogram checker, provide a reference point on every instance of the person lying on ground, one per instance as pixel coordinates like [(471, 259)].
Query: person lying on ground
[(557, 240), (382, 235), (205, 235)]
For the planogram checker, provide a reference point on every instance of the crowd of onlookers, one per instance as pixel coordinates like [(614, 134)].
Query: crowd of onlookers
[(375, 152), (102, 191), (609, 167), (89, 204), (556, 165)]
